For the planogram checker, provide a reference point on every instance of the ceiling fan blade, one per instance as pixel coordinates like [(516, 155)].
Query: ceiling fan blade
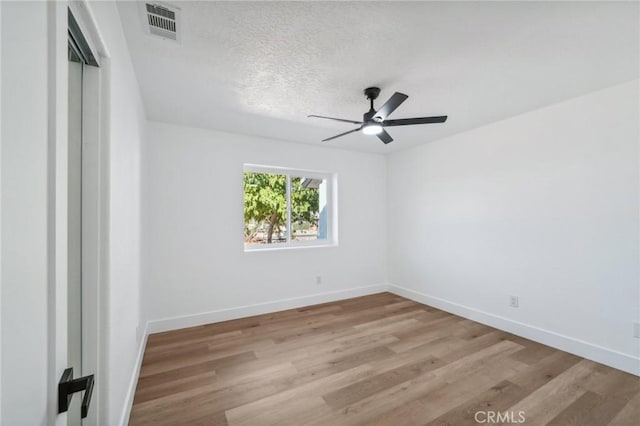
[(418, 120), (385, 137), (391, 105), (341, 134), (336, 119)]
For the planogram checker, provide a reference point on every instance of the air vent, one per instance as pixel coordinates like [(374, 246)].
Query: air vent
[(162, 20)]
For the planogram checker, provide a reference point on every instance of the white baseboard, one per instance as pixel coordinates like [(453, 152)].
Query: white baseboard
[(175, 323), (131, 392), (597, 353)]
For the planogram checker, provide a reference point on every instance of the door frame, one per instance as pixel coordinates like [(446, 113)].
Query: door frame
[(95, 207)]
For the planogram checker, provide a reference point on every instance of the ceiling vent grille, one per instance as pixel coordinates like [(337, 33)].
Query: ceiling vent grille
[(161, 20)]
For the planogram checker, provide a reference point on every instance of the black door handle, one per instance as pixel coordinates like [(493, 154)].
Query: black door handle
[(67, 386)]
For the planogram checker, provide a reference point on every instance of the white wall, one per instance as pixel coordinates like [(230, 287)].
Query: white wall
[(194, 261), (125, 134), (543, 206), (0, 213), (24, 214)]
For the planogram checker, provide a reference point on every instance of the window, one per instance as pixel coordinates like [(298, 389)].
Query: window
[(287, 208)]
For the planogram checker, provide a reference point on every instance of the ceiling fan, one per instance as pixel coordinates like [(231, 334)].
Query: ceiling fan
[(373, 122)]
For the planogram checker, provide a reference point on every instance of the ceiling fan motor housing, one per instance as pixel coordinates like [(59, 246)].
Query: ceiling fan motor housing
[(368, 116)]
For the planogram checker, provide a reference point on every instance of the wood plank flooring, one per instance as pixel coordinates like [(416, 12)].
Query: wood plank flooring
[(379, 360)]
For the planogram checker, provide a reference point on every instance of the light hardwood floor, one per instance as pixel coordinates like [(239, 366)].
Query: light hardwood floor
[(381, 360)]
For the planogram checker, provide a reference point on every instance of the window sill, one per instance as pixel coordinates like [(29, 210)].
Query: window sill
[(288, 247)]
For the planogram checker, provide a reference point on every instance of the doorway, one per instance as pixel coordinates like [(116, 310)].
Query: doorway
[(82, 220)]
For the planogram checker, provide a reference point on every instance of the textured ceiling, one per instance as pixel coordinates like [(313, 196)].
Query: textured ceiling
[(260, 68)]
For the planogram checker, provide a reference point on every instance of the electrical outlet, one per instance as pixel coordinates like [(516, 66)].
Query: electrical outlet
[(318, 279), (636, 330), (513, 301)]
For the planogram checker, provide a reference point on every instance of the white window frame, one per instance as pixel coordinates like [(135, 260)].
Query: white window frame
[(332, 208)]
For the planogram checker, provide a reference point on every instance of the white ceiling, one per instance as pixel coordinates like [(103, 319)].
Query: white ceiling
[(260, 68)]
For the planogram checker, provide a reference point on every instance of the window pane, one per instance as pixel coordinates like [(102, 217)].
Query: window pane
[(308, 209), (265, 208)]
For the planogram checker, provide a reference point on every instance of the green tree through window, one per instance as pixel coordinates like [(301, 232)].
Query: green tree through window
[(265, 207), (265, 201)]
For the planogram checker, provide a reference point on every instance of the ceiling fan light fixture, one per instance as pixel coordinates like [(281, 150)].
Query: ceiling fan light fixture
[(372, 129)]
